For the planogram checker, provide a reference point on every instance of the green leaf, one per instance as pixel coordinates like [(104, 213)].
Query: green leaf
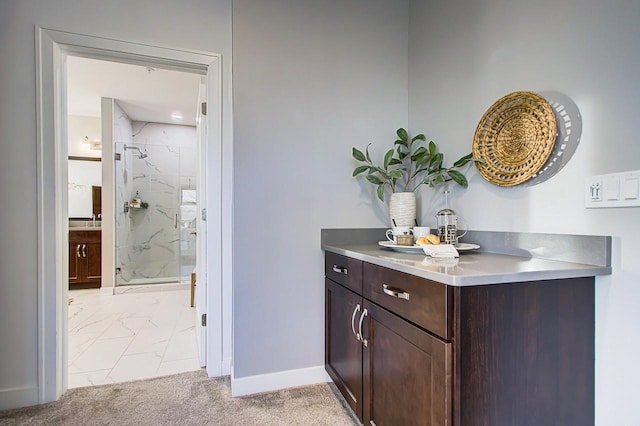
[(402, 155), (396, 174), (368, 156), (432, 148), (402, 134), (418, 152), (464, 160), (401, 143), (423, 159), (357, 154), (419, 137), (394, 161), (438, 179), (374, 180), (381, 192), (436, 161), (360, 169), (458, 178), (387, 158)]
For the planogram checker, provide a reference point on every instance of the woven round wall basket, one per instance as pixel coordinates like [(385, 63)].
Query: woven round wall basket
[(515, 138)]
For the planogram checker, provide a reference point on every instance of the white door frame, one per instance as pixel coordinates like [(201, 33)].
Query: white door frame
[(52, 47)]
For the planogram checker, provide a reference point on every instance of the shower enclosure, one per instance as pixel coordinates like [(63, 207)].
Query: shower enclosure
[(155, 216)]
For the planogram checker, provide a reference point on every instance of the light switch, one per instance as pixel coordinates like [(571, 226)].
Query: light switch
[(631, 188), (612, 189)]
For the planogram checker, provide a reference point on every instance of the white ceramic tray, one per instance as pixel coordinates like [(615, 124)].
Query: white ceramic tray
[(418, 249)]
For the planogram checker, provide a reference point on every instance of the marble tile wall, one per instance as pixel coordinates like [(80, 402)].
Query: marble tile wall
[(155, 242)]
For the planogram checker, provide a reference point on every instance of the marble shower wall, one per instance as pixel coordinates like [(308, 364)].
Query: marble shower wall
[(159, 240), (122, 135)]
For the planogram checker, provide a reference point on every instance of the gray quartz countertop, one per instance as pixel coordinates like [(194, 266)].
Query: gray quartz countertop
[(471, 268)]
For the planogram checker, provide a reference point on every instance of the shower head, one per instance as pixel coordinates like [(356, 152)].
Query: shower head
[(140, 155)]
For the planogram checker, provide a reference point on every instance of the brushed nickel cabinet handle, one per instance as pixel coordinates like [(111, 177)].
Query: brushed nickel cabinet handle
[(340, 269), (84, 250), (78, 250), (395, 292), (353, 321), (362, 339)]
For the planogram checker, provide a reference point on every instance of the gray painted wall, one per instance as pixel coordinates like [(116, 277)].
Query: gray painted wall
[(311, 79), (192, 24), (465, 55)]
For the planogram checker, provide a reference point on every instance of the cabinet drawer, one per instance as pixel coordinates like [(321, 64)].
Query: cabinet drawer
[(423, 302), (344, 270)]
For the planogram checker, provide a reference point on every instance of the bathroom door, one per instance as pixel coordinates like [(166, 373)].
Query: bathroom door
[(201, 230)]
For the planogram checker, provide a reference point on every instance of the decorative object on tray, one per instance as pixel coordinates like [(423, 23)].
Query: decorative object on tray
[(440, 250), (462, 247), (448, 224), (405, 168), (402, 208), (515, 138)]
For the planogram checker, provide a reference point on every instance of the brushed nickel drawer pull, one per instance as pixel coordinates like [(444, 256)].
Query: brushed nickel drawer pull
[(340, 269), (78, 250), (362, 339), (395, 292), (353, 322), (84, 250)]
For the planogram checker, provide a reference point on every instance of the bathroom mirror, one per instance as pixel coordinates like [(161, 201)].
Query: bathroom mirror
[(85, 175)]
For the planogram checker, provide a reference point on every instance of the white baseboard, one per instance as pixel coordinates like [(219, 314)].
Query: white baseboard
[(276, 381), (18, 397)]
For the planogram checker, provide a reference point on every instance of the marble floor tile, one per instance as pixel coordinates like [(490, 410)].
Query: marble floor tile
[(135, 367), (178, 366), (92, 378), (136, 334)]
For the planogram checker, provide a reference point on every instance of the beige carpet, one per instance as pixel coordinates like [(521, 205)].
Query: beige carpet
[(185, 399)]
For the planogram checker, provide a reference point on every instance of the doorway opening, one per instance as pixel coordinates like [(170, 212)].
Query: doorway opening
[(53, 49), (153, 118)]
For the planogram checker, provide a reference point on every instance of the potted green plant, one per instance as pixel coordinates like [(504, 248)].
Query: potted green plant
[(405, 168)]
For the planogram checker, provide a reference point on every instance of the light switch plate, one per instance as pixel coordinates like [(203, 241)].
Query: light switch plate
[(613, 190)]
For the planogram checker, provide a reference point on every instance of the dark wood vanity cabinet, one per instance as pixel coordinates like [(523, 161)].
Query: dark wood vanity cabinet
[(409, 351), (85, 259)]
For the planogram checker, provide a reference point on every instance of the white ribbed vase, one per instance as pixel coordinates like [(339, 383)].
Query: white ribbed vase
[(402, 209)]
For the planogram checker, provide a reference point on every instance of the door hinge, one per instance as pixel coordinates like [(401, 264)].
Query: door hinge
[(204, 214), (117, 156), (204, 320), (204, 108)]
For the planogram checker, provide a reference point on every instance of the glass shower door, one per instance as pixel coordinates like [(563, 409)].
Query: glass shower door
[(147, 221)]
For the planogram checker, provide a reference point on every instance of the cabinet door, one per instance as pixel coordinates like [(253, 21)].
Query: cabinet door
[(93, 261), (74, 252), (343, 350), (407, 373)]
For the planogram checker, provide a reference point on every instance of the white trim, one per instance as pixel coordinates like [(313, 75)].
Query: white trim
[(280, 380), (52, 47), (23, 396)]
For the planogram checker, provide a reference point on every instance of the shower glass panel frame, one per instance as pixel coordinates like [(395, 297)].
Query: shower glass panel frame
[(154, 217)]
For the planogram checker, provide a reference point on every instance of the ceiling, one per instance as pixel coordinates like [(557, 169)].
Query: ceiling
[(145, 94)]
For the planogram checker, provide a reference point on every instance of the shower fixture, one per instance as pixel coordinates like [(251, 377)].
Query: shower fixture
[(141, 154)]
